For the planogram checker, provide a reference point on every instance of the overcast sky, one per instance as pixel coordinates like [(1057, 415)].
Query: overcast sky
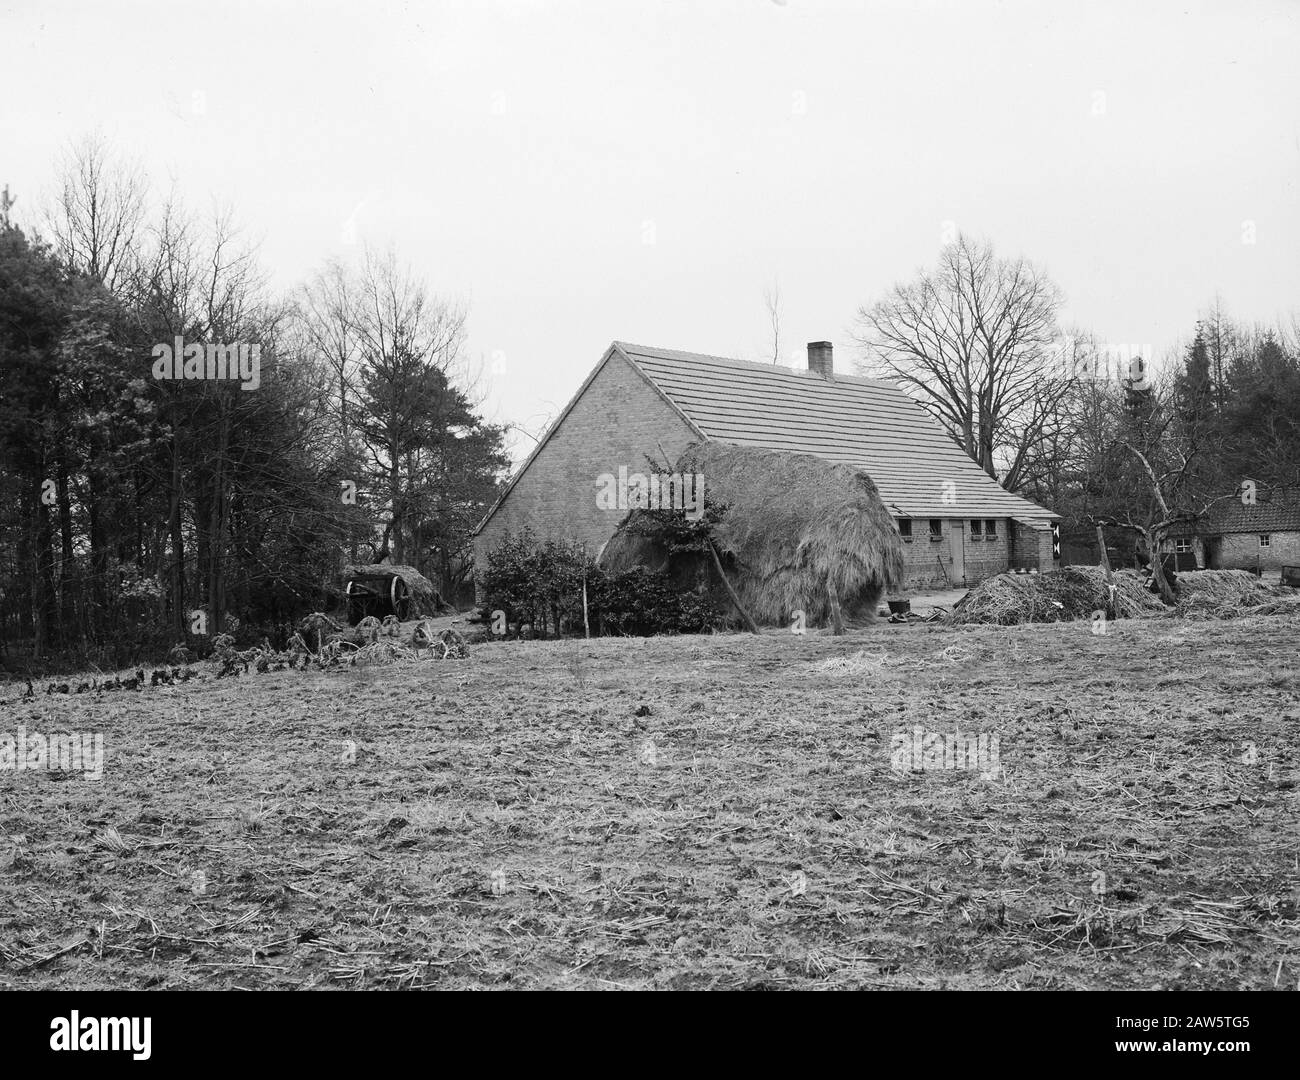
[(585, 172)]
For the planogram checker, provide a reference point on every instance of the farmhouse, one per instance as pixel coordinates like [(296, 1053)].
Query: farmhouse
[(1262, 536), (642, 407)]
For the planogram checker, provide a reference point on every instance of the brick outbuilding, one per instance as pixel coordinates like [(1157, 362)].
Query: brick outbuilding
[(1263, 535)]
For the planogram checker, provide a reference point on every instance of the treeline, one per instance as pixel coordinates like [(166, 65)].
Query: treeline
[(136, 510), (1103, 434), (1150, 452)]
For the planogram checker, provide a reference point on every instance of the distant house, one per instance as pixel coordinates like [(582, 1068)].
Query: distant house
[(1262, 536), (641, 407)]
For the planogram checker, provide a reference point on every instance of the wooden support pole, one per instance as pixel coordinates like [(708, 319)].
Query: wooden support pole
[(1110, 581), (1101, 546), (750, 625), (837, 617), (586, 626)]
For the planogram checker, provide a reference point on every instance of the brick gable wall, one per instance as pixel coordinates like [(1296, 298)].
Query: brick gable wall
[(617, 421)]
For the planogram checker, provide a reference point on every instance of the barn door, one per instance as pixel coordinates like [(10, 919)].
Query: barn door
[(957, 548)]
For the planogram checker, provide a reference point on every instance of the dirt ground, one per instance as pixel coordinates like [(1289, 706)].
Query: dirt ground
[(722, 811), (924, 601)]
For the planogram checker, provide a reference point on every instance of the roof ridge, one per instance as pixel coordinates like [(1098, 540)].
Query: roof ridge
[(777, 369)]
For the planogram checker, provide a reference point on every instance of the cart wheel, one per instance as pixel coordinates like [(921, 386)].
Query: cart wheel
[(401, 598)]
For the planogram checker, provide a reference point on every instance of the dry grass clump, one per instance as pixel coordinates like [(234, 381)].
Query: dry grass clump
[(1283, 605), (1074, 592), (1227, 594), (382, 652), (858, 663)]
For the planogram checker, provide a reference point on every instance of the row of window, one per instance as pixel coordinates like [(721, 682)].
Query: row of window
[(980, 529), (1183, 544)]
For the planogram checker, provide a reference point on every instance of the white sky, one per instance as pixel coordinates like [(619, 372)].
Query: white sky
[(519, 155)]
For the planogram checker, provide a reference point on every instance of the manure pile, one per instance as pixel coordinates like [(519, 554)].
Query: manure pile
[(1075, 592), (1227, 594)]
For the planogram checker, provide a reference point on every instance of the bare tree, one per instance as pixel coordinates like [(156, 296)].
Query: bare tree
[(772, 301), (410, 344), (972, 340), (1072, 421), (328, 316), (98, 213)]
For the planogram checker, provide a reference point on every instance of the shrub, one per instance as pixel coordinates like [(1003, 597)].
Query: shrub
[(541, 584), (643, 602)]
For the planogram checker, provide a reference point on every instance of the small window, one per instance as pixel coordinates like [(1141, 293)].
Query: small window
[(990, 529), (1182, 545), (976, 530), (905, 529), (936, 529), (1265, 539)]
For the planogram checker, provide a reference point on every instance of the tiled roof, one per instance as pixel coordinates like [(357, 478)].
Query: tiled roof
[(1274, 512), (869, 424)]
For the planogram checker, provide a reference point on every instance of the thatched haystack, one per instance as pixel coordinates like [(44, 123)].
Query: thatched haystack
[(425, 598), (1073, 592), (793, 532)]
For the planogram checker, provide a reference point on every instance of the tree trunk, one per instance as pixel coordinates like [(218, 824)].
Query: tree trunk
[(98, 544), (67, 599), (217, 530), (394, 498), (1158, 571), (177, 597), (26, 600), (43, 579)]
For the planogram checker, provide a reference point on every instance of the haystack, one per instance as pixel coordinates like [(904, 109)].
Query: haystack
[(794, 532), (1074, 592), (1224, 594), (425, 598)]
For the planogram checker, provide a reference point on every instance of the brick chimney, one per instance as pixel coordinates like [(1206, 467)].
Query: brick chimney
[(819, 359)]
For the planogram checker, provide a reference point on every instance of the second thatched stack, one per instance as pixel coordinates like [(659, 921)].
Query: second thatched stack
[(793, 532)]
